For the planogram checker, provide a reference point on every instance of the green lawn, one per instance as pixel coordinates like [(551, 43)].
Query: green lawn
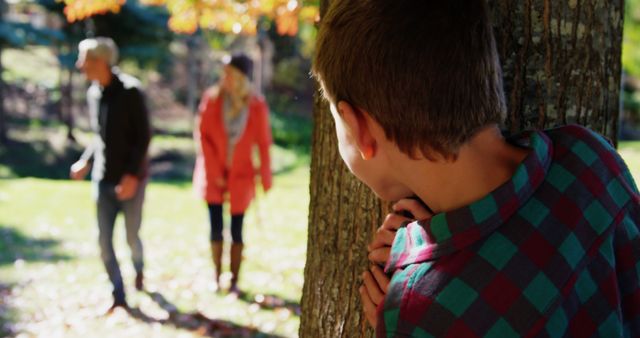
[(630, 151), (53, 285)]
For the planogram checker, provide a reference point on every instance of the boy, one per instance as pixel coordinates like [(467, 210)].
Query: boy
[(536, 235)]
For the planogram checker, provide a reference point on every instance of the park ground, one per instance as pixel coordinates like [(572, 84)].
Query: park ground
[(52, 283)]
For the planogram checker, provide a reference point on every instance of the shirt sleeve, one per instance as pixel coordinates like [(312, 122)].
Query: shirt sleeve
[(142, 132), (627, 258), (410, 245), (88, 152), (264, 142), (212, 163)]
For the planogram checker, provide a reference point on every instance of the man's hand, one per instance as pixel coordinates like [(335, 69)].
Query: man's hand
[(372, 292), (380, 247), (79, 170), (127, 187)]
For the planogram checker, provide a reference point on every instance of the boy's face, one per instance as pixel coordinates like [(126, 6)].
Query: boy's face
[(377, 170)]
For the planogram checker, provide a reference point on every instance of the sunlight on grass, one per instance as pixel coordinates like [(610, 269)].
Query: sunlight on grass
[(49, 254), (27, 65), (630, 151)]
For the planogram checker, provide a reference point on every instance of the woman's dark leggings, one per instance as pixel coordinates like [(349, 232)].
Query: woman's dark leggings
[(215, 217)]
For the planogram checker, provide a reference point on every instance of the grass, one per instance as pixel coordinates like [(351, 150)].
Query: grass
[(630, 151), (54, 285), (31, 65)]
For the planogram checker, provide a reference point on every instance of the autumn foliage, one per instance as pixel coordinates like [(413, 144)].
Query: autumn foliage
[(226, 16), (76, 10)]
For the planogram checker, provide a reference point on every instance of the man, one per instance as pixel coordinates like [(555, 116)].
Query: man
[(119, 152)]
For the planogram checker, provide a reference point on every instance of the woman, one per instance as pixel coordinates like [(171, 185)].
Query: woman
[(232, 121)]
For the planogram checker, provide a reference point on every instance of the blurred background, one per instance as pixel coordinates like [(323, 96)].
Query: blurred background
[(52, 283)]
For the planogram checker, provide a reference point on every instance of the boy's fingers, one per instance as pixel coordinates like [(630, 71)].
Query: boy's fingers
[(368, 307), (381, 279), (380, 255), (372, 288), (394, 221), (414, 207), (383, 237)]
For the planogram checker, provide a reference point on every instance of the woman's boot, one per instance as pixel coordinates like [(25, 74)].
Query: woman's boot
[(236, 261), (216, 254)]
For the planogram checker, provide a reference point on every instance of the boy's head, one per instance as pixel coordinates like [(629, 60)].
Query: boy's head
[(426, 73)]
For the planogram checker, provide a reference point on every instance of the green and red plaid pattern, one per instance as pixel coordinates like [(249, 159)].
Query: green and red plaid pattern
[(554, 252)]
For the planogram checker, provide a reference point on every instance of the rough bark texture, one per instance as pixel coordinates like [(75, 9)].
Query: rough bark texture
[(342, 216), (561, 63), (3, 117), (66, 107)]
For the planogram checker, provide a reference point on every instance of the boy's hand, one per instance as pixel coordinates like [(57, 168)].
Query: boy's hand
[(380, 247), (372, 292)]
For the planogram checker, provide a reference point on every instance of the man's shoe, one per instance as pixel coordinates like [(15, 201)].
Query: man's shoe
[(117, 303), (140, 281)]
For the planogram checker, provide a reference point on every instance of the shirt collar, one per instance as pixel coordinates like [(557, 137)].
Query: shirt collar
[(448, 232), (114, 85)]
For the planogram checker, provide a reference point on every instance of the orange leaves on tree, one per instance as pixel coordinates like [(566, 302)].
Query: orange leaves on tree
[(75, 10), (236, 16), (226, 16)]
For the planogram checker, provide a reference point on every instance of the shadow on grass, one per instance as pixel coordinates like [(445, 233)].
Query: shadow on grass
[(15, 245), (270, 302), (36, 159), (195, 321), (172, 165), (6, 313)]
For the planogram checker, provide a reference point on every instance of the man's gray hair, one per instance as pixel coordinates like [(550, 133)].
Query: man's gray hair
[(100, 47)]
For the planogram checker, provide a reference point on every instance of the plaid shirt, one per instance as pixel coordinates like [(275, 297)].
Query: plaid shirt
[(554, 252)]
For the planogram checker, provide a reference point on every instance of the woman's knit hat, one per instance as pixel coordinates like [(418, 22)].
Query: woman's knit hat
[(243, 63)]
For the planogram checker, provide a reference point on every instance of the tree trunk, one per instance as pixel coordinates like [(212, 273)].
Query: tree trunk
[(68, 107), (561, 61), (561, 65), (65, 110), (342, 217), (193, 72), (3, 114)]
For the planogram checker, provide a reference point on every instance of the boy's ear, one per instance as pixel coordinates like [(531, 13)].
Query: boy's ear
[(357, 126)]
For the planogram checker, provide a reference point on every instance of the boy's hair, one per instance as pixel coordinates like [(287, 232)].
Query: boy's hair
[(100, 47), (426, 70)]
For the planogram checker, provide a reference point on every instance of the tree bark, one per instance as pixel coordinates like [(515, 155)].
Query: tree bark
[(193, 72), (561, 63), (342, 218), (66, 106), (3, 114)]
